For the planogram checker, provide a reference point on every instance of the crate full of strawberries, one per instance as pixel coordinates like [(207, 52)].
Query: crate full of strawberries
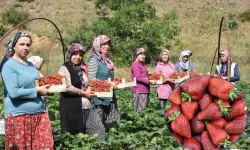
[(158, 78), (206, 112), (124, 82), (56, 81), (101, 88)]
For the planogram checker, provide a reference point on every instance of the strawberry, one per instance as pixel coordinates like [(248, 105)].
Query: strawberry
[(206, 142), (193, 74), (239, 96), (180, 124), (211, 112), (205, 100), (192, 144), (195, 87), (175, 96), (236, 126), (217, 134), (238, 109), (221, 122), (220, 88), (234, 137), (177, 137), (171, 109), (197, 126), (189, 109)]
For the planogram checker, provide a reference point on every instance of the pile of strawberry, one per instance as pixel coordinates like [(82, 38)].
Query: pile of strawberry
[(99, 86), (55, 79), (118, 80), (206, 112), (177, 75), (155, 76)]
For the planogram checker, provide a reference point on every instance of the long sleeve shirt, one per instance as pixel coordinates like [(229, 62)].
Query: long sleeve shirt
[(22, 97), (139, 71)]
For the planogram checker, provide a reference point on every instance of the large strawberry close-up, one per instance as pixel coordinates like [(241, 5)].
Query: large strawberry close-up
[(207, 113)]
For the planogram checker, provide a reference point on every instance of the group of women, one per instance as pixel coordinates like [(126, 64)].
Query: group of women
[(27, 125)]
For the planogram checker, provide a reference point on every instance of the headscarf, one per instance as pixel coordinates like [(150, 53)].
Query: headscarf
[(224, 67), (8, 49), (76, 47), (168, 52), (137, 52), (185, 65), (37, 61), (18, 36)]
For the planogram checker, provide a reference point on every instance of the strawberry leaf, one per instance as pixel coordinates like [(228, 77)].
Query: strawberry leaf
[(174, 116), (185, 96), (224, 111), (234, 94), (225, 143)]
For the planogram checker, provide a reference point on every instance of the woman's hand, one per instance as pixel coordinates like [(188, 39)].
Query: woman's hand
[(43, 90), (88, 93), (224, 77), (152, 81), (114, 85)]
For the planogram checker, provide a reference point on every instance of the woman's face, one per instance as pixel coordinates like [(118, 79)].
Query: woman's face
[(164, 57), (105, 48), (77, 58), (223, 58), (141, 57), (22, 47), (185, 58)]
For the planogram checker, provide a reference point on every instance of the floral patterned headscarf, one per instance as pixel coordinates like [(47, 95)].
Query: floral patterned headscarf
[(18, 36), (9, 50), (137, 52), (96, 50), (76, 47), (37, 61)]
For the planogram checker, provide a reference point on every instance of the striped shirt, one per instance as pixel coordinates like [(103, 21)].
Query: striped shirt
[(92, 68)]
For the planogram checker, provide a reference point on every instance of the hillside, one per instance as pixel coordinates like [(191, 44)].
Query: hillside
[(199, 22)]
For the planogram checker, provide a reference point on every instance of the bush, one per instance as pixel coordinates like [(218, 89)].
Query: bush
[(131, 24), (2, 30), (245, 16), (25, 1), (13, 16)]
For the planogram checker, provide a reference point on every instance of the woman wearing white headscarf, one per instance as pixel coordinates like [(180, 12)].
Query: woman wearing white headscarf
[(184, 63)]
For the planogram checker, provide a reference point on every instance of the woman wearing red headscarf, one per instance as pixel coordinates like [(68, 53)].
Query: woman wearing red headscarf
[(76, 109), (101, 68), (222, 68)]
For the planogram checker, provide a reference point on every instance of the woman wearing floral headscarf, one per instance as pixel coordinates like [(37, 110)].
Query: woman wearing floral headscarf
[(27, 124), (76, 109), (142, 89), (166, 68), (184, 63), (222, 68), (101, 68), (9, 53)]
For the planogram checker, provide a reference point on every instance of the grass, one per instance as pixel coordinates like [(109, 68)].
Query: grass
[(199, 21)]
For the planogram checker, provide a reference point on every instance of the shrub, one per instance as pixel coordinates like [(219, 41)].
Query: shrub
[(25, 1), (245, 16), (2, 30), (13, 16)]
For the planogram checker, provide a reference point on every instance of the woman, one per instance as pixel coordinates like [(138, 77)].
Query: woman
[(76, 111), (37, 61), (166, 68), (101, 68), (27, 124), (222, 68), (9, 53), (142, 89), (184, 64)]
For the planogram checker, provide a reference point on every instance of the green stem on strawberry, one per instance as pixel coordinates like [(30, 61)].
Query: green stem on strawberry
[(224, 111), (185, 96), (174, 116), (234, 94), (225, 143)]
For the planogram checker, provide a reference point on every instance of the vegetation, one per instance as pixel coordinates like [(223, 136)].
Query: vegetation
[(13, 16), (2, 30)]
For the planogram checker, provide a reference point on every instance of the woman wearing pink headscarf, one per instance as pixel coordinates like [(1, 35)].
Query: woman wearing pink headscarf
[(142, 89), (101, 68), (222, 68), (77, 114), (166, 68)]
